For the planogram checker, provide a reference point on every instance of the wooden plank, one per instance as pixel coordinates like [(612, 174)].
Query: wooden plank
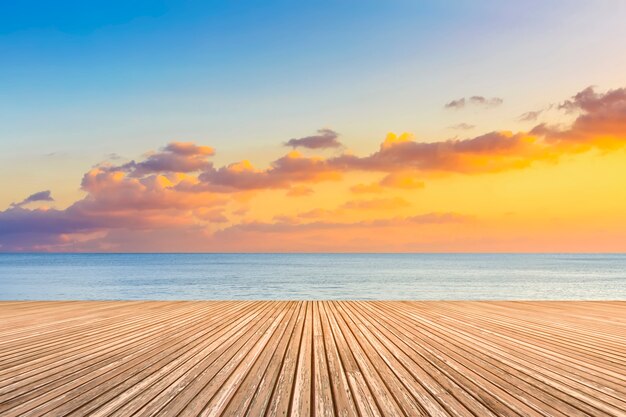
[(364, 399), (317, 358), (97, 371), (280, 402), (342, 396), (371, 369), (172, 380), (428, 384), (253, 394), (108, 382), (322, 395)]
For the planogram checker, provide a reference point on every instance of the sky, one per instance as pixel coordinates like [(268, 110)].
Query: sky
[(326, 126)]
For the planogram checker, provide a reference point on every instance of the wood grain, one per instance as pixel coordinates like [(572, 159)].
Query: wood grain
[(313, 358)]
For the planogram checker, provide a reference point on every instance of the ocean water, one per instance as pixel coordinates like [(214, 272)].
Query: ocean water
[(312, 276)]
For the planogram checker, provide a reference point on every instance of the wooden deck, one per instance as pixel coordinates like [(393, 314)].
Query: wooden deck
[(313, 358)]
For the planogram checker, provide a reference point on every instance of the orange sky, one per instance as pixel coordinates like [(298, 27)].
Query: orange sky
[(558, 187)]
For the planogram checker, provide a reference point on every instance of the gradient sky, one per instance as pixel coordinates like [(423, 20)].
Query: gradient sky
[(422, 126)]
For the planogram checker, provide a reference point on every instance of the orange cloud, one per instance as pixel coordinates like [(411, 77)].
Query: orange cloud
[(376, 204), (492, 152), (381, 235), (601, 123), (178, 191), (299, 191), (402, 180), (291, 226), (285, 171), (373, 188)]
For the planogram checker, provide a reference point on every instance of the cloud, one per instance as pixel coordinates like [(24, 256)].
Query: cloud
[(210, 215), (114, 191), (391, 234), (491, 152), (455, 104), (530, 116), (39, 196), (399, 180), (177, 191), (486, 102), (402, 180), (175, 157), (289, 225), (376, 204), (114, 200), (282, 173), (18, 220), (325, 139), (589, 100), (373, 188), (477, 101), (601, 122), (299, 191), (462, 126)]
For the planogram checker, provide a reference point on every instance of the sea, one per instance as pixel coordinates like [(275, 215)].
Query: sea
[(312, 276)]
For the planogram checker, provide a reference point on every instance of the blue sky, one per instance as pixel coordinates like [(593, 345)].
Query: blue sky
[(82, 80)]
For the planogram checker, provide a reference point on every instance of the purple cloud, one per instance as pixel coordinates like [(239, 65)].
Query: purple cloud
[(479, 101), (39, 196), (326, 138), (175, 157)]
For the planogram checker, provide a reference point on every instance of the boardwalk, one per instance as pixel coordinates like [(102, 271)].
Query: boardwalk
[(313, 358)]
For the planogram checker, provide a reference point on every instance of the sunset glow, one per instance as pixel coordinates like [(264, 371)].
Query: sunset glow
[(380, 164)]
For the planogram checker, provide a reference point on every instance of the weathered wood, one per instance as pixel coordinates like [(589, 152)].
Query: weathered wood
[(318, 358)]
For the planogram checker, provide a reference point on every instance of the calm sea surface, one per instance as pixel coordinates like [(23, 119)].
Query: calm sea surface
[(310, 276)]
